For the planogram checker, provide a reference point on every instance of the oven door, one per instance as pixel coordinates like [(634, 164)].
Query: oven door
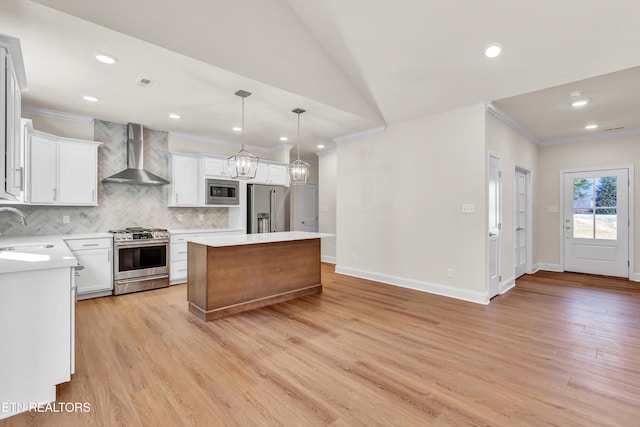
[(135, 259)]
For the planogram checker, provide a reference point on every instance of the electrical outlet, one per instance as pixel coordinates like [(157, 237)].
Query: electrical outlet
[(180, 218), (354, 258), (66, 219), (201, 217), (449, 272)]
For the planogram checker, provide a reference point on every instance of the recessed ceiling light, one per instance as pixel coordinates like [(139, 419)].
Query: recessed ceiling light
[(90, 98), (493, 50), (590, 127), (320, 146), (174, 116), (237, 129), (105, 59), (580, 102), (284, 138)]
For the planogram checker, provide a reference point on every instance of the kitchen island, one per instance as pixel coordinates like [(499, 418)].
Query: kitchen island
[(233, 274)]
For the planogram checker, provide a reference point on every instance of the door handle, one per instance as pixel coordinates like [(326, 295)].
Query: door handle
[(492, 234), (519, 229), (568, 227)]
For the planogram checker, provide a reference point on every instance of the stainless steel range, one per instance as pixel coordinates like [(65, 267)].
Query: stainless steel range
[(141, 259)]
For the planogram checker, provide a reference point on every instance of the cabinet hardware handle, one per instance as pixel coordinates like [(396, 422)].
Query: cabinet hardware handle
[(90, 244), (93, 195), (54, 194), (176, 198), (182, 252), (183, 269)]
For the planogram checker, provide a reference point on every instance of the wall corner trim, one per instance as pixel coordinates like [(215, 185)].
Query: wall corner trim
[(361, 134), (634, 277), (328, 259), (507, 285), (548, 267), (431, 288), (509, 121)]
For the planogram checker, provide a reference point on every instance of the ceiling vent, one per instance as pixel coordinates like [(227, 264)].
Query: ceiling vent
[(610, 129), (144, 82)]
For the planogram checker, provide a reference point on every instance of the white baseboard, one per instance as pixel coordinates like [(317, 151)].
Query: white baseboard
[(432, 288), (547, 267), (507, 285), (329, 259), (634, 277)]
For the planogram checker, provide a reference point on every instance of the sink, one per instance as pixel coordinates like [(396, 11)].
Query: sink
[(27, 247)]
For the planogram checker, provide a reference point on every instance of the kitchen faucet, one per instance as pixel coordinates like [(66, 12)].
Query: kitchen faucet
[(23, 220)]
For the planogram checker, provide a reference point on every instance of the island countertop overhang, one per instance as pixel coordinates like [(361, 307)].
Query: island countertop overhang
[(251, 239)]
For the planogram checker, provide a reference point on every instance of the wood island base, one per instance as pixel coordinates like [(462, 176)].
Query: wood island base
[(226, 280)]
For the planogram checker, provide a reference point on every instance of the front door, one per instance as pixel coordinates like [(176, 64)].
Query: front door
[(520, 221), (494, 226), (596, 222)]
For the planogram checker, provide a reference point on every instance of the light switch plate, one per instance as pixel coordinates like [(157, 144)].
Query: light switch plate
[(468, 208)]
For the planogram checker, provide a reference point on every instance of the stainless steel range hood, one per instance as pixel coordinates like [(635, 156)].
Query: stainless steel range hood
[(135, 173)]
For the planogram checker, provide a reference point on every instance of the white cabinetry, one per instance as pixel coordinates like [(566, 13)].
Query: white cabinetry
[(184, 175), (37, 323), (216, 167), (12, 82), (178, 251), (272, 174), (95, 278), (61, 171)]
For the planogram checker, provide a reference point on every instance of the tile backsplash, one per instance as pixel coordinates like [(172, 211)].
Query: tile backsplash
[(119, 205)]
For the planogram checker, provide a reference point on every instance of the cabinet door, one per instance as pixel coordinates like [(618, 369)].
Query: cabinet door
[(278, 175), (14, 141), (216, 166), (78, 174), (184, 181), (43, 160), (96, 275), (262, 174)]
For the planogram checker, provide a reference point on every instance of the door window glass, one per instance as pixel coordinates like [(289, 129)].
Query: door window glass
[(595, 211)]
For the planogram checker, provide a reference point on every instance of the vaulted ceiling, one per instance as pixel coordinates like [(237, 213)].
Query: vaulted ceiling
[(352, 64)]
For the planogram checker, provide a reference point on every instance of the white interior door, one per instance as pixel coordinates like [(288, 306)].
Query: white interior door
[(596, 222), (520, 221), (494, 226), (308, 207)]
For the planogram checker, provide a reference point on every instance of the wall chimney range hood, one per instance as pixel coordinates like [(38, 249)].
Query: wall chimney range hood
[(135, 173)]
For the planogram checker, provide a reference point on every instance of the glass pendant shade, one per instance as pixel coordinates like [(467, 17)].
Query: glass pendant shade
[(298, 172), (243, 164), (298, 169)]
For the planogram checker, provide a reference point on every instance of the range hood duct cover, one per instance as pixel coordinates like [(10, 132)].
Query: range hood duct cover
[(135, 173)]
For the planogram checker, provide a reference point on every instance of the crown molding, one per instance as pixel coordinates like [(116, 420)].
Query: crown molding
[(361, 134), (507, 120), (591, 137), (43, 112), (323, 152), (223, 143)]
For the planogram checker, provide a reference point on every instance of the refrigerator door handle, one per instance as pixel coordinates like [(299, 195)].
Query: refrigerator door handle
[(273, 210)]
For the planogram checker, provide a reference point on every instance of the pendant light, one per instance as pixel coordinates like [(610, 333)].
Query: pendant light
[(298, 169), (243, 165)]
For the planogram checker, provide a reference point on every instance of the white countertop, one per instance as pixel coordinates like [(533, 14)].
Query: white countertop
[(203, 230), (27, 256), (250, 239)]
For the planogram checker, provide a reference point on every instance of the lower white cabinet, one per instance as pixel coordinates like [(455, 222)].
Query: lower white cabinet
[(95, 277), (37, 313), (178, 251)]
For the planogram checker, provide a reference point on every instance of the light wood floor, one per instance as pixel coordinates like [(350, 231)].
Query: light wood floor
[(559, 349)]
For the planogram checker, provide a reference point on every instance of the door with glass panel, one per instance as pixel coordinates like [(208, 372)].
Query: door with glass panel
[(596, 222)]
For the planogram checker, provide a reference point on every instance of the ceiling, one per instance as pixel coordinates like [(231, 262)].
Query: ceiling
[(353, 65)]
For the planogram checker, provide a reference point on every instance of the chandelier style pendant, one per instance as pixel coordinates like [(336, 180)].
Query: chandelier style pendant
[(298, 169), (243, 164)]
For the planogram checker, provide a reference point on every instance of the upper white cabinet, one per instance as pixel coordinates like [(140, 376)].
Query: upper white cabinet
[(184, 176), (61, 171), (272, 174), (216, 167), (12, 83)]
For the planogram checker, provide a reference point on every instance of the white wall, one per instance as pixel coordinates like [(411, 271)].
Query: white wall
[(180, 143), (327, 175), (514, 150), (399, 203), (619, 151), (61, 127)]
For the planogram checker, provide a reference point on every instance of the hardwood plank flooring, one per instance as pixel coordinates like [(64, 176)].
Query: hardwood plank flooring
[(559, 349)]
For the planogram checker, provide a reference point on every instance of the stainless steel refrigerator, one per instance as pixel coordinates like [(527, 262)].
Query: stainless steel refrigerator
[(267, 208)]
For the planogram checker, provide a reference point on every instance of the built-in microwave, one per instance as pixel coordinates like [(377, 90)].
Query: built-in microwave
[(222, 192)]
